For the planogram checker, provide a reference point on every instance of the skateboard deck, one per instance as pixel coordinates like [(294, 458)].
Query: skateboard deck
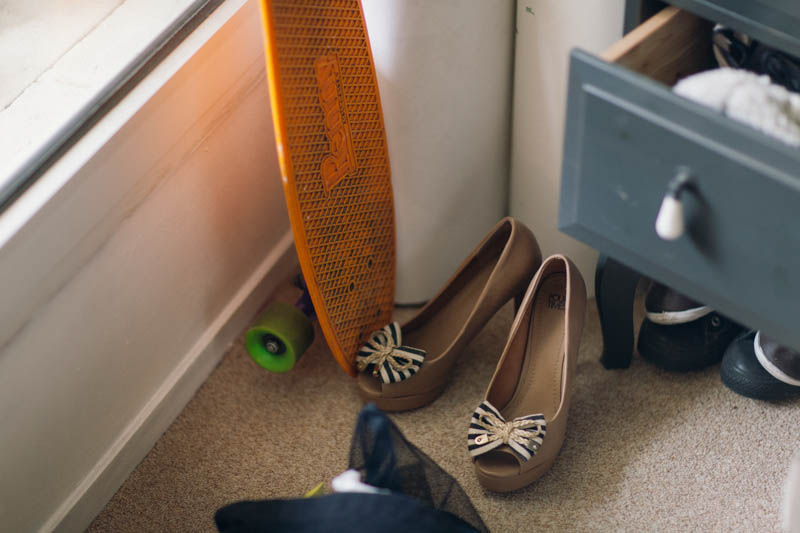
[(334, 164)]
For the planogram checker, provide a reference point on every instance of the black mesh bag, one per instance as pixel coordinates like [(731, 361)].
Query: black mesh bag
[(387, 460), (423, 499)]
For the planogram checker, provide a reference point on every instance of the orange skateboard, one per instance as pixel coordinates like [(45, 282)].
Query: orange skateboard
[(335, 168)]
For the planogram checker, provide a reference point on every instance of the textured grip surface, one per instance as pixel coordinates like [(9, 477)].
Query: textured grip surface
[(335, 166)]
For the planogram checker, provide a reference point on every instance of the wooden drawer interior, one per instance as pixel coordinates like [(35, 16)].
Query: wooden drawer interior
[(667, 47)]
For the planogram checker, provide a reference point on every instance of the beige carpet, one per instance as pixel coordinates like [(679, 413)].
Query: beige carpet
[(645, 450)]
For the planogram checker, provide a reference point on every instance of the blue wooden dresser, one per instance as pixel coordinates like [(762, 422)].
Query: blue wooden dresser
[(627, 137)]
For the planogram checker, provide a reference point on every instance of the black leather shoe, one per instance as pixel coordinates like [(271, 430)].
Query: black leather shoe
[(738, 50), (668, 307), (742, 373), (686, 347)]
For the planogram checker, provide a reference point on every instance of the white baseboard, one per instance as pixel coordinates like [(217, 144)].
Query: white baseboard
[(138, 438)]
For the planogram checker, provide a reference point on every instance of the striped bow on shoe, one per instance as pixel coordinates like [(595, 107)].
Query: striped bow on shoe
[(488, 430), (387, 358)]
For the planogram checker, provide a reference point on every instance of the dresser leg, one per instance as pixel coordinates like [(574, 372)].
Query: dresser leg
[(615, 287)]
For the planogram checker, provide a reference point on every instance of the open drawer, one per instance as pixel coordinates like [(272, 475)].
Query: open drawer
[(628, 135)]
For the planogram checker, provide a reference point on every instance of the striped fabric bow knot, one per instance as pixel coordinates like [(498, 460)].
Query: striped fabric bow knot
[(488, 430), (388, 359)]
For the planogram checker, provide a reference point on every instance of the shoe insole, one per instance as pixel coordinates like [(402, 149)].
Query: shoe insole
[(539, 386), (441, 329)]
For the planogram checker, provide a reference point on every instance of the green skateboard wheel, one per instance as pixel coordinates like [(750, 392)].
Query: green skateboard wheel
[(279, 337)]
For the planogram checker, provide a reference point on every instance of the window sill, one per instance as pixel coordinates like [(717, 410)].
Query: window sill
[(64, 58), (52, 229)]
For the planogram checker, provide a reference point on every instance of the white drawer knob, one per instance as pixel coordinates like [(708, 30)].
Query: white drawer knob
[(670, 223)]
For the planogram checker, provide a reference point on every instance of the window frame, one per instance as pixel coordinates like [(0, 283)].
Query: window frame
[(105, 99)]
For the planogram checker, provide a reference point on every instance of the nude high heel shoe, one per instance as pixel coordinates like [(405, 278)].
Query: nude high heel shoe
[(408, 367), (516, 433)]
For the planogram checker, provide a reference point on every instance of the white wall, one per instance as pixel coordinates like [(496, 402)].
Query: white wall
[(546, 31), (190, 235), (444, 72)]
